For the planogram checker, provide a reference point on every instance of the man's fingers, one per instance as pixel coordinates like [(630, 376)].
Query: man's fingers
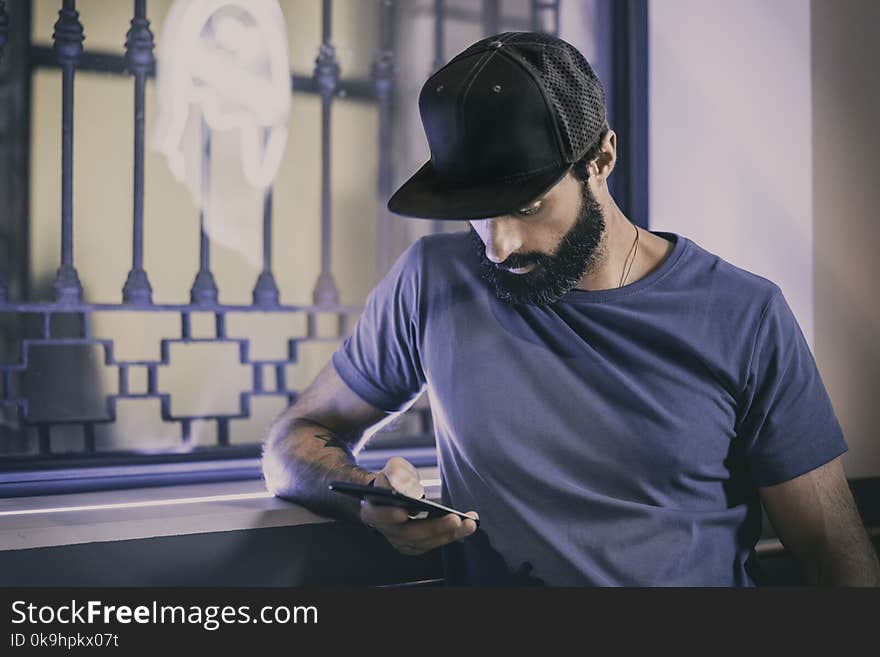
[(403, 476), (381, 480), (433, 541), (469, 525), (406, 484), (407, 535), (378, 514), (415, 531), (430, 533)]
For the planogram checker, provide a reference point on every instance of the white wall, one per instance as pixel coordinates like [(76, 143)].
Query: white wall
[(846, 198), (765, 150), (730, 135)]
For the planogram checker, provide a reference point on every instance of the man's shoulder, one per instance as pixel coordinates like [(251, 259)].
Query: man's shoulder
[(457, 244), (437, 246), (731, 281), (444, 254), (429, 262)]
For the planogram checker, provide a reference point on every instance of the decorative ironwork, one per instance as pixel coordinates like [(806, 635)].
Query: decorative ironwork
[(103, 62), (327, 76), (67, 321), (491, 17), (266, 290), (139, 60), (544, 12), (204, 289), (68, 38), (439, 35), (11, 375), (383, 82)]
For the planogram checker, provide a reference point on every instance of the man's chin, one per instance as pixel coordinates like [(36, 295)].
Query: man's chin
[(531, 297), (526, 301)]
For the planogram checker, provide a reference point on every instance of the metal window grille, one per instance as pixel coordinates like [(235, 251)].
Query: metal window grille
[(47, 344)]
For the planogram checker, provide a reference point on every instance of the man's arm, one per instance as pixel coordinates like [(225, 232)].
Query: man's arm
[(817, 520), (310, 444)]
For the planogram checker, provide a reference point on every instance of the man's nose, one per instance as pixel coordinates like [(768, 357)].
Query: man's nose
[(504, 239)]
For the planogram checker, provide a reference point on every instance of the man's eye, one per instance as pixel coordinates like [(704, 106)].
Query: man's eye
[(532, 209)]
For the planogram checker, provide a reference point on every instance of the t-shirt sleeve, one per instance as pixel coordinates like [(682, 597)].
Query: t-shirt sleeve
[(789, 426), (379, 360)]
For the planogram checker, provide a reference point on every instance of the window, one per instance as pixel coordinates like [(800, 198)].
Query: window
[(107, 381)]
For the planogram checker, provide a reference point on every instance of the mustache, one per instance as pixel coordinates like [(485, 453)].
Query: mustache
[(517, 261)]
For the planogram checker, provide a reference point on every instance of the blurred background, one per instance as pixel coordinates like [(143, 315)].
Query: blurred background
[(155, 317)]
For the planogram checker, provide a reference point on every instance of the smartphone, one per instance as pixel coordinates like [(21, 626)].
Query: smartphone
[(390, 497)]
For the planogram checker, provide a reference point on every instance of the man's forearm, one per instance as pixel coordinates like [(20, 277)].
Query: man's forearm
[(301, 457), (845, 563)]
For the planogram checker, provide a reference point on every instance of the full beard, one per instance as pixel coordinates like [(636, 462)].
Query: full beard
[(553, 275)]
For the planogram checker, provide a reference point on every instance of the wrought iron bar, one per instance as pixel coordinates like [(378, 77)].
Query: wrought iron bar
[(327, 77), (103, 62), (139, 60), (266, 290), (68, 37), (491, 17), (383, 83), (540, 9), (439, 35), (204, 289)]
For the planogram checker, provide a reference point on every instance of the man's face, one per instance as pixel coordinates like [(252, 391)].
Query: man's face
[(550, 245)]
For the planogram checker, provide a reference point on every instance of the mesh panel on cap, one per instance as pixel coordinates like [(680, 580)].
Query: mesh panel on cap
[(569, 81)]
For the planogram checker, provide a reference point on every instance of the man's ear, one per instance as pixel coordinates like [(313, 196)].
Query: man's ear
[(604, 163)]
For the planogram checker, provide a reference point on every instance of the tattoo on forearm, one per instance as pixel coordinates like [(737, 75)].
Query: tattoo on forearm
[(331, 440), (312, 467)]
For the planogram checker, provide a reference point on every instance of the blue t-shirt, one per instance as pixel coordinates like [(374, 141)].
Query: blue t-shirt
[(614, 437)]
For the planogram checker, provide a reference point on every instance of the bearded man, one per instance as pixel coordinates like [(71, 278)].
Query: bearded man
[(614, 404)]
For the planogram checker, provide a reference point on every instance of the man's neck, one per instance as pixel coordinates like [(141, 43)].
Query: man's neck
[(616, 253)]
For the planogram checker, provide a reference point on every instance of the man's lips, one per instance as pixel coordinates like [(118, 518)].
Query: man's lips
[(521, 270)]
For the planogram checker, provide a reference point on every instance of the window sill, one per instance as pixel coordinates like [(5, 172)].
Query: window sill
[(231, 533), (118, 515)]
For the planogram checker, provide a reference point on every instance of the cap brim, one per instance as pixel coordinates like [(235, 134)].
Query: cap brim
[(426, 196)]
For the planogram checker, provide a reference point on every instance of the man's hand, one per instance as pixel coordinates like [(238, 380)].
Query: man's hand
[(408, 536)]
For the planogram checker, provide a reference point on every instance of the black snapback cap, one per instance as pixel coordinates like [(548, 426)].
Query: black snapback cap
[(505, 119)]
